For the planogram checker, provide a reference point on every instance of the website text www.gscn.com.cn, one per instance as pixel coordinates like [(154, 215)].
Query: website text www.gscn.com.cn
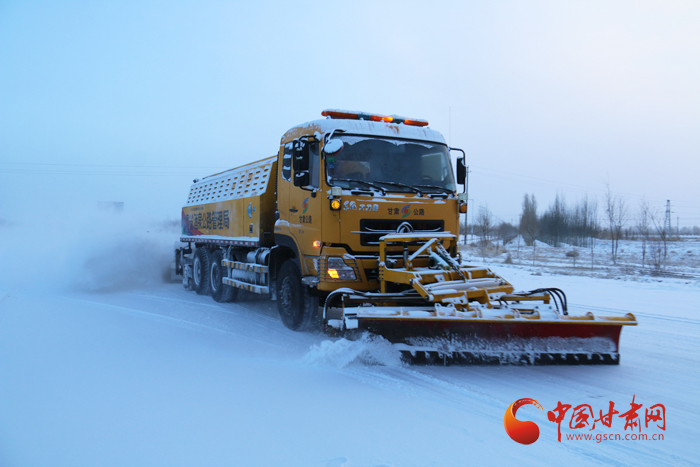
[(600, 437)]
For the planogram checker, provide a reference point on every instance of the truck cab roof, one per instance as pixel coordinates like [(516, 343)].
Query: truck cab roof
[(363, 127)]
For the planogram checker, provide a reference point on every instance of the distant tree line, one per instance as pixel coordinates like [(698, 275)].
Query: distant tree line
[(579, 224), (574, 225)]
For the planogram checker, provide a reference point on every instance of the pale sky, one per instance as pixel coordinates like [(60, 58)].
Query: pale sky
[(129, 101)]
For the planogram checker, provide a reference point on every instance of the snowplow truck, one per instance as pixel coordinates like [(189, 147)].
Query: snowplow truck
[(352, 228)]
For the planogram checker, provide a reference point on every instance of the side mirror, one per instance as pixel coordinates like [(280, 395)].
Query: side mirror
[(461, 171), (300, 157), (302, 178), (333, 147)]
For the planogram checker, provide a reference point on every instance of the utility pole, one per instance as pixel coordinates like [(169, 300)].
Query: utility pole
[(466, 216), (466, 187), (472, 211), (667, 219)]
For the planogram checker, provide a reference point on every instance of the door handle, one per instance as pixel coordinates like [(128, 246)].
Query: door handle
[(293, 210)]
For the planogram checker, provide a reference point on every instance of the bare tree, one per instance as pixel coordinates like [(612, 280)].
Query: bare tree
[(484, 224), (520, 236), (592, 226), (659, 250), (555, 222), (616, 213), (584, 220), (529, 224), (573, 254)]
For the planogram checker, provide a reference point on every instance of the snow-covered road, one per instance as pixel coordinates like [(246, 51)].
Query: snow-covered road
[(156, 375)]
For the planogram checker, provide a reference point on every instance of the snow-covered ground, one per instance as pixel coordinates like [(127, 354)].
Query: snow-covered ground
[(102, 363)]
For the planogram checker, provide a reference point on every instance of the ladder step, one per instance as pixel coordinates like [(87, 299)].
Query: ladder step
[(245, 266), (258, 289)]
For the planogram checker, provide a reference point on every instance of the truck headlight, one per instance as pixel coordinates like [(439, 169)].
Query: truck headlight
[(336, 269)]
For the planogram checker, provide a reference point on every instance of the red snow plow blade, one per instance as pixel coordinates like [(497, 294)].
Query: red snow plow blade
[(465, 314), (505, 340)]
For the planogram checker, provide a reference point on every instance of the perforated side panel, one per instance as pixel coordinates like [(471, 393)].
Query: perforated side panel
[(243, 182)]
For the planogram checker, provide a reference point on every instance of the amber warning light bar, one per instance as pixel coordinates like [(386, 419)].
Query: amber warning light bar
[(351, 115)]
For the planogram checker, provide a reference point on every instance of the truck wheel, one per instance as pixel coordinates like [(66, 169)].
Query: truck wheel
[(298, 309), (200, 271), (220, 292)]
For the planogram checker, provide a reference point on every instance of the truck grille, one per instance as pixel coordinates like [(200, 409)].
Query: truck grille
[(371, 230)]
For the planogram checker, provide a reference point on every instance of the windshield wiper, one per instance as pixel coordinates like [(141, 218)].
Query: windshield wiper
[(382, 190), (443, 189), (414, 189)]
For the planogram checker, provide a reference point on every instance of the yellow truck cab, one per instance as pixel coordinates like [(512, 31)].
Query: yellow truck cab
[(377, 178)]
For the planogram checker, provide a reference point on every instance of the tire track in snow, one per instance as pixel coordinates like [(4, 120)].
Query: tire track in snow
[(179, 322), (419, 383), (254, 317)]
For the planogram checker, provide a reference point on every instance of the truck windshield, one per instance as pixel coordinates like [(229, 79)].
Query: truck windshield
[(394, 164)]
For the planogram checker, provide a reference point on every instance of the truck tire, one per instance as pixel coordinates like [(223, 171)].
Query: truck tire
[(200, 271), (297, 307), (220, 292)]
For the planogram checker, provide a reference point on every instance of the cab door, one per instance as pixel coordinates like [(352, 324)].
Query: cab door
[(299, 199), (283, 236)]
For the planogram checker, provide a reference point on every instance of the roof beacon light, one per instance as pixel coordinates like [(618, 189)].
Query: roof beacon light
[(354, 115), (381, 118), (341, 114), (415, 122)]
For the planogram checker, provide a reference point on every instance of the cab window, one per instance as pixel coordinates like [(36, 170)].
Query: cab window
[(313, 165), (287, 162)]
